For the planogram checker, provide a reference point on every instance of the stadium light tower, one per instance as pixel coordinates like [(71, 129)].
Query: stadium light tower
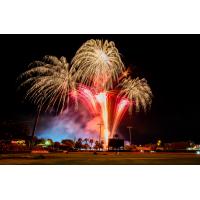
[(99, 133), (129, 128)]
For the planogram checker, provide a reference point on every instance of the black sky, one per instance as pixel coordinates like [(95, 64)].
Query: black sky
[(170, 63)]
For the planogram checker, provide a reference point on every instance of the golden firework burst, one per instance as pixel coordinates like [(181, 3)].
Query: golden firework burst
[(97, 63), (49, 82), (138, 91)]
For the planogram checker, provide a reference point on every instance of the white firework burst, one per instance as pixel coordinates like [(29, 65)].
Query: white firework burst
[(49, 82), (97, 63), (138, 91)]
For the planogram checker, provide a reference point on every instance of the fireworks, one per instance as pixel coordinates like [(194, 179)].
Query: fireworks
[(87, 96), (102, 99), (120, 109), (97, 64), (49, 82), (138, 91), (97, 78)]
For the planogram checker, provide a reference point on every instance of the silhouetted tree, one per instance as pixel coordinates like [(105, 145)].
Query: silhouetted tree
[(91, 141), (78, 144), (86, 140), (68, 144), (57, 145), (98, 145), (85, 146)]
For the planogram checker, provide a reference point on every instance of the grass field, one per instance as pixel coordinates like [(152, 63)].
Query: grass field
[(102, 158)]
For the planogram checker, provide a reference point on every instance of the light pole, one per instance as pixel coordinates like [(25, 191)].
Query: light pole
[(99, 134), (35, 125), (129, 128)]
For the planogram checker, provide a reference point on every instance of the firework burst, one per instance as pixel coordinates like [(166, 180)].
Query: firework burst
[(97, 63), (138, 91), (96, 77), (49, 82), (120, 109)]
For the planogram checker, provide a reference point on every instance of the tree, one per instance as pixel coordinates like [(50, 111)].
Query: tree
[(86, 140), (91, 141), (98, 145), (57, 145), (78, 144), (38, 141), (101, 144), (68, 144), (85, 146), (80, 140), (49, 142)]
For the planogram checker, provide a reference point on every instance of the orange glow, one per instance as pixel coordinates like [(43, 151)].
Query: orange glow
[(102, 99)]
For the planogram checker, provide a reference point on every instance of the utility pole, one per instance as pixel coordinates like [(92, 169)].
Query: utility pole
[(35, 125), (129, 128), (36, 121), (99, 134)]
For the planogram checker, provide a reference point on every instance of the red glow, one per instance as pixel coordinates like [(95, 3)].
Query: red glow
[(106, 106), (120, 109)]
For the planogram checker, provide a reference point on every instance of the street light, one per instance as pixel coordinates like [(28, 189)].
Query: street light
[(129, 128), (99, 134)]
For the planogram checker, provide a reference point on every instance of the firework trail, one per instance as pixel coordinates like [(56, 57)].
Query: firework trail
[(98, 64), (102, 99), (96, 103), (86, 96), (120, 109)]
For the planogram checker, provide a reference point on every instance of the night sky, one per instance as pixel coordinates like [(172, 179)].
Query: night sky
[(170, 63)]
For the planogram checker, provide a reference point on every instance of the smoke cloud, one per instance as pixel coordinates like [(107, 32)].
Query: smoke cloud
[(69, 125)]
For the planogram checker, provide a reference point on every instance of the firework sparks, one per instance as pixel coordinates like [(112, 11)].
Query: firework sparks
[(95, 71), (96, 103), (49, 82), (121, 108), (98, 64), (102, 99), (138, 91), (87, 96), (124, 74)]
